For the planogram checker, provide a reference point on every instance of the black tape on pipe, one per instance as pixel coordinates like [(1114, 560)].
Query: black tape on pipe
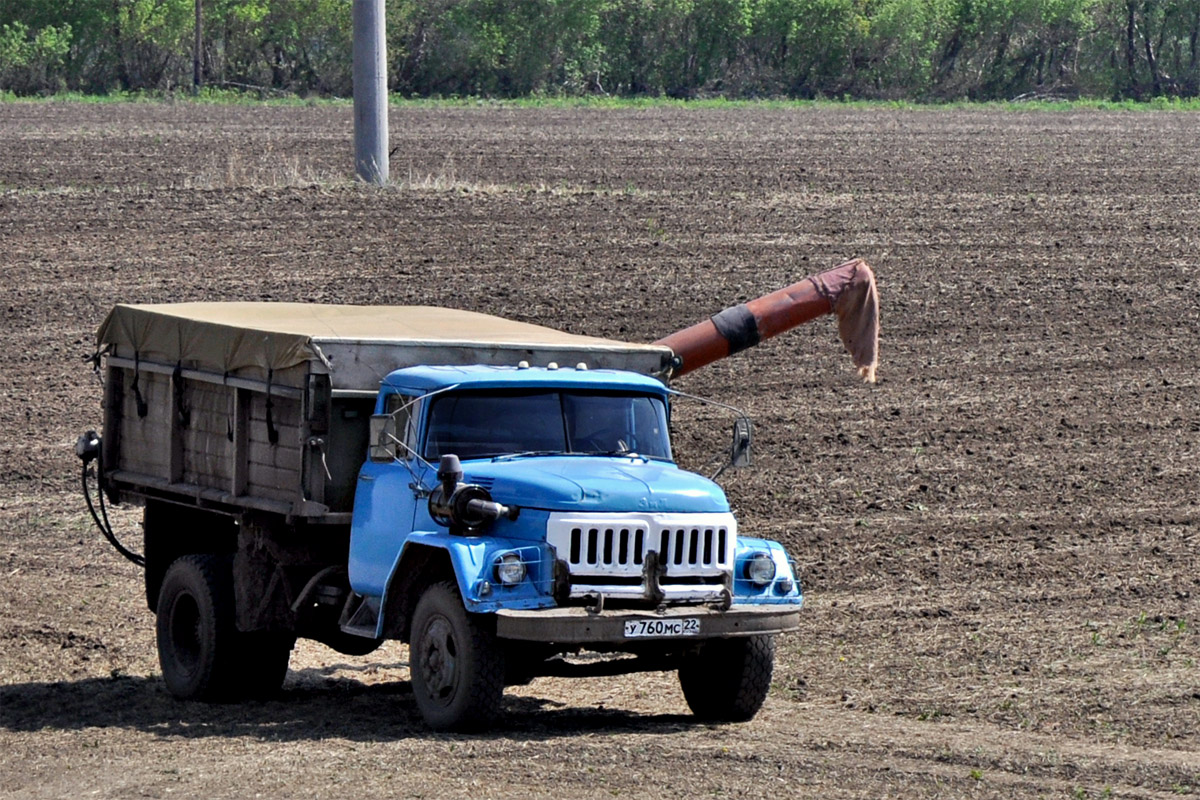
[(737, 326)]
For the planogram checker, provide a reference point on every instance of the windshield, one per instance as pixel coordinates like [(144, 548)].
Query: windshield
[(490, 424)]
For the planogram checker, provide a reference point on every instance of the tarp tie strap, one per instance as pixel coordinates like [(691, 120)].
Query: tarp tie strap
[(232, 408), (272, 433), (184, 413), (142, 408), (94, 360)]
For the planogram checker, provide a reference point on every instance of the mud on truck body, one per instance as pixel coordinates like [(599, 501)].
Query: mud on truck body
[(499, 496)]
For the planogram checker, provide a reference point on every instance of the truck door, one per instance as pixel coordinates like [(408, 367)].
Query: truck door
[(387, 495)]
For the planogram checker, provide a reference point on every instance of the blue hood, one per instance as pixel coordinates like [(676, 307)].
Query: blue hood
[(596, 483)]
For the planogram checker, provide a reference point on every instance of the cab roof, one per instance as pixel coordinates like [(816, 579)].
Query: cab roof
[(424, 379)]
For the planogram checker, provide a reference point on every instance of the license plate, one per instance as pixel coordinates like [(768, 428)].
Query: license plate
[(661, 628)]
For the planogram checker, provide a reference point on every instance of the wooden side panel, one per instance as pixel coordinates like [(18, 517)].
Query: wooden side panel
[(206, 439), (145, 442), (207, 443), (225, 445), (274, 470)]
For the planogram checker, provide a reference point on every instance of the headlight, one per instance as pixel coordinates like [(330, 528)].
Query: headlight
[(760, 569), (510, 569)]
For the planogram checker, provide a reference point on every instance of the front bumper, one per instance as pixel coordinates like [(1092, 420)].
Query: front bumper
[(580, 626)]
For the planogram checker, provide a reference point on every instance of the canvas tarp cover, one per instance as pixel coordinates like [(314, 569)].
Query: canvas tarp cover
[(233, 337)]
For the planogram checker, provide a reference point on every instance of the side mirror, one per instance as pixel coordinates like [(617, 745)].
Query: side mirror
[(743, 432), (383, 446)]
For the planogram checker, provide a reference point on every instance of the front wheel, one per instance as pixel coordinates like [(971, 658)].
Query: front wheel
[(727, 680), (457, 665)]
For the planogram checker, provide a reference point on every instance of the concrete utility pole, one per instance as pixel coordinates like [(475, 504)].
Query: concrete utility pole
[(370, 93)]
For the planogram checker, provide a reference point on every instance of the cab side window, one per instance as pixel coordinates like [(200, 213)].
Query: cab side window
[(401, 409)]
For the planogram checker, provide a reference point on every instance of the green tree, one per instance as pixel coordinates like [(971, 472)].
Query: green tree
[(33, 61), (809, 46)]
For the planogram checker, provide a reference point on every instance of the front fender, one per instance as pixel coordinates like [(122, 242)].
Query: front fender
[(472, 559)]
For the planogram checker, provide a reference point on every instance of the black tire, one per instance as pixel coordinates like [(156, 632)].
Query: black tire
[(457, 665), (727, 679), (201, 652)]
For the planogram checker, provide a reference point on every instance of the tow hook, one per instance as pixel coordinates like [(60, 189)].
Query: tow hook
[(594, 604), (653, 571), (726, 599)]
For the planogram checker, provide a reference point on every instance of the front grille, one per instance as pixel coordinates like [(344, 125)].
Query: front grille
[(695, 544), (622, 547), (608, 546), (705, 547)]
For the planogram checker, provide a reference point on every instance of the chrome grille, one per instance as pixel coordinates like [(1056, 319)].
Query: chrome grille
[(618, 544), (609, 546)]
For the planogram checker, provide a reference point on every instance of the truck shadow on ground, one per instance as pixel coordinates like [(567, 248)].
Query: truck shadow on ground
[(311, 708)]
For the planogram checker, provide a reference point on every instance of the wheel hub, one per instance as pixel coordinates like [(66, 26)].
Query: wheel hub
[(438, 660), (185, 632)]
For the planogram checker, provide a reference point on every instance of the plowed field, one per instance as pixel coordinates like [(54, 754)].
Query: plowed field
[(999, 542)]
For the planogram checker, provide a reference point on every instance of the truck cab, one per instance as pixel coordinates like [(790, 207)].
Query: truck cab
[(541, 509)]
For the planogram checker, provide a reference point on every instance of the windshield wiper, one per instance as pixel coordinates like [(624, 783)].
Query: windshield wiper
[(625, 453), (628, 454), (530, 454)]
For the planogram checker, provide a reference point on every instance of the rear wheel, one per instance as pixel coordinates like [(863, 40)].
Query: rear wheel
[(727, 680), (457, 665), (201, 652)]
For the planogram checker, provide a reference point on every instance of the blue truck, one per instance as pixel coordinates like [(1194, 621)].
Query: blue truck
[(500, 496)]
